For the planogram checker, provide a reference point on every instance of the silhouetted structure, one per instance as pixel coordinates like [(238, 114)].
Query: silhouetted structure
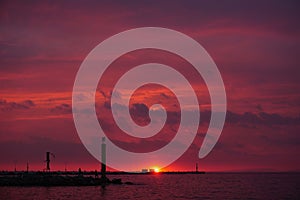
[(53, 179), (103, 159), (48, 160), (80, 174)]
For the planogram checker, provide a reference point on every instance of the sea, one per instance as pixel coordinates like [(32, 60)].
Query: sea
[(171, 187)]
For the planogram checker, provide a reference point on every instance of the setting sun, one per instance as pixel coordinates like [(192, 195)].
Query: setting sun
[(156, 170)]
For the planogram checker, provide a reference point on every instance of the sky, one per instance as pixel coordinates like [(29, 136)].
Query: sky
[(255, 45)]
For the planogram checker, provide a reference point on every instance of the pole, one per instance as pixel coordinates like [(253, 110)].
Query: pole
[(48, 161)]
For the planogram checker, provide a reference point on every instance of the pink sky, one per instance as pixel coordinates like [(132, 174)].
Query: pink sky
[(254, 44)]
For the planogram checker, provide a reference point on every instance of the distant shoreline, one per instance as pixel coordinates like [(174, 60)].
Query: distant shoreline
[(93, 173)]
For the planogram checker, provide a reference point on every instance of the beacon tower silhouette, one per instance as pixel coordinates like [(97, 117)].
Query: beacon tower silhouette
[(103, 159)]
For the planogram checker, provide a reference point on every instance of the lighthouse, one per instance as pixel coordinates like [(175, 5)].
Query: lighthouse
[(103, 159)]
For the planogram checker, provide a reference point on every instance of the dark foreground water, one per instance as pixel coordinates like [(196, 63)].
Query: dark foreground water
[(174, 186)]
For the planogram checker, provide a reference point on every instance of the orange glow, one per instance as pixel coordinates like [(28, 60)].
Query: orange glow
[(157, 170)]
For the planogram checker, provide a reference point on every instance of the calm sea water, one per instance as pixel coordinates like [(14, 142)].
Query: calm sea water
[(170, 187)]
